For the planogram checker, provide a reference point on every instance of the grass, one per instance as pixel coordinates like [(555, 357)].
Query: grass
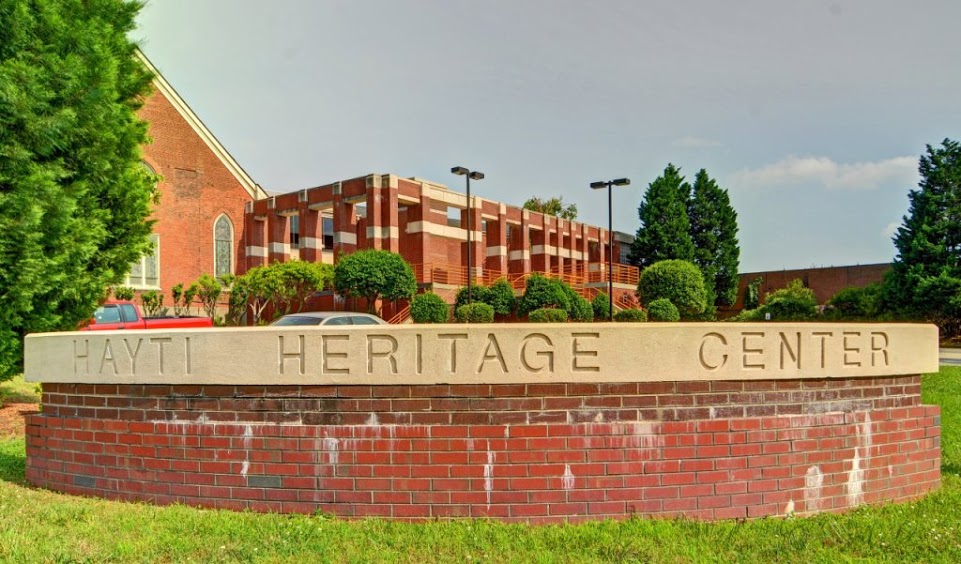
[(40, 526), (19, 390)]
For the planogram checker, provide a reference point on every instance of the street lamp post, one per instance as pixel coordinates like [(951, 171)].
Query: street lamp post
[(610, 238), (461, 171)]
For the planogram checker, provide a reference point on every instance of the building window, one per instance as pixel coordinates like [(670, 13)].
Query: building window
[(294, 231), (328, 226), (145, 273), (223, 246)]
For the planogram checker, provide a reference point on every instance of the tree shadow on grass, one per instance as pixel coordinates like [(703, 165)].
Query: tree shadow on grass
[(13, 462)]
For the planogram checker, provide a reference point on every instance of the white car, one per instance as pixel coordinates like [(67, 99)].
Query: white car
[(327, 318)]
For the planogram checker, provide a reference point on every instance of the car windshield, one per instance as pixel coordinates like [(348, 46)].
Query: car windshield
[(291, 320)]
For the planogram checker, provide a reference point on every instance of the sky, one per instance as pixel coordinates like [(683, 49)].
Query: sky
[(811, 114)]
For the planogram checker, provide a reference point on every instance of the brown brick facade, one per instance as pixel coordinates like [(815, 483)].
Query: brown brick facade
[(535, 452)]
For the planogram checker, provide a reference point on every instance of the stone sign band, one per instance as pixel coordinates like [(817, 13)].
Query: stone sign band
[(493, 354)]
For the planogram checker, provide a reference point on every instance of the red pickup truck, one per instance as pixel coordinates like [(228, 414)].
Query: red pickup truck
[(126, 315)]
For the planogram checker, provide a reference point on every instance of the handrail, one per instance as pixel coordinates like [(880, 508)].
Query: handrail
[(402, 316)]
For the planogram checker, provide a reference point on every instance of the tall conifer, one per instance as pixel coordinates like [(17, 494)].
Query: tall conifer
[(714, 232), (665, 229)]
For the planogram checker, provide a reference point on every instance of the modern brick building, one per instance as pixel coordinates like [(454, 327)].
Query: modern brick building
[(427, 224)]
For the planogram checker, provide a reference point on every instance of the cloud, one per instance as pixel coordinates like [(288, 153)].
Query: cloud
[(693, 142), (891, 229), (870, 175)]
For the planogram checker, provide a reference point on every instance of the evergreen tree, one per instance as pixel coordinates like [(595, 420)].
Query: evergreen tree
[(929, 240), (665, 229), (714, 232), (73, 195)]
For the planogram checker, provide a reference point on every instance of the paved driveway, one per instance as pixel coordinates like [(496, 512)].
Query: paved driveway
[(951, 357)]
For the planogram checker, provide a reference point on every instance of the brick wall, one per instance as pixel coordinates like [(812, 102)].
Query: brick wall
[(824, 281), (537, 453)]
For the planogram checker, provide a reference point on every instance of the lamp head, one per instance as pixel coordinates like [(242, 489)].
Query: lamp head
[(598, 185), (476, 175), (459, 170), (621, 182)]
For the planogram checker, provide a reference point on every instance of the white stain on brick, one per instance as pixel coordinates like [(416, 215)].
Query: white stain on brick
[(489, 476), (712, 413), (813, 482), (248, 436), (568, 479), (332, 445), (854, 488), (372, 420)]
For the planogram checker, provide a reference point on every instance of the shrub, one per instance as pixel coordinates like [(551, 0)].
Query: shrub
[(581, 310), (477, 294), (631, 316), (476, 312), (547, 315), (856, 302), (500, 296), (663, 309), (791, 303), (752, 294), (125, 293), (208, 291), (542, 292), (429, 308), (676, 280), (152, 303), (601, 304)]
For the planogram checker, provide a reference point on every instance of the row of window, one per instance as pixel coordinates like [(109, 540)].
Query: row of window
[(328, 232), (145, 274)]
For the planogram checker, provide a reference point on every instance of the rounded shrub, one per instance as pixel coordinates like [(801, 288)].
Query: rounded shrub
[(476, 312), (676, 280), (547, 315), (542, 292), (601, 304), (663, 310), (631, 316), (429, 308), (794, 302), (477, 294)]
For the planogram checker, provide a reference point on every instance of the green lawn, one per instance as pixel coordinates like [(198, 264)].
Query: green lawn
[(39, 526)]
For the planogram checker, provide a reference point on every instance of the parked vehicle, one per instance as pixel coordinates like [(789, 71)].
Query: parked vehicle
[(327, 318), (126, 315)]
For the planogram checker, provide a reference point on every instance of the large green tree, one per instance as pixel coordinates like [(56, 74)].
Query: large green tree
[(74, 198), (929, 241), (665, 228), (714, 233)]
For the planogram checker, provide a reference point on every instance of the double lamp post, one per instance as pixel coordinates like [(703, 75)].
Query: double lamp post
[(475, 175)]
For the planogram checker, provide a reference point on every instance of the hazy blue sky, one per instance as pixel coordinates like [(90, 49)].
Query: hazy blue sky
[(812, 114)]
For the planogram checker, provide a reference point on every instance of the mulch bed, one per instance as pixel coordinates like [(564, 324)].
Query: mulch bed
[(12, 419)]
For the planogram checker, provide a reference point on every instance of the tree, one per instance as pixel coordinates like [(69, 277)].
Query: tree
[(553, 206), (714, 234), (74, 197), (929, 239), (678, 281), (665, 228), (374, 274), (299, 279)]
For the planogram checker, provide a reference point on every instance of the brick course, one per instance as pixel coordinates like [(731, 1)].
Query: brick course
[(534, 453)]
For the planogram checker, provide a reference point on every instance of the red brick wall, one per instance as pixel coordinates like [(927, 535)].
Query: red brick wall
[(824, 281), (195, 190), (537, 452)]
